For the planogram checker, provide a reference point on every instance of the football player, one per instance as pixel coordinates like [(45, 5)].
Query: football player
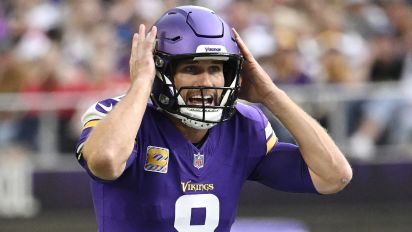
[(179, 163)]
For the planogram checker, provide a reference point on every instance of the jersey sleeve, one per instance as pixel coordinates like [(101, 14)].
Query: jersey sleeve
[(90, 119), (282, 167)]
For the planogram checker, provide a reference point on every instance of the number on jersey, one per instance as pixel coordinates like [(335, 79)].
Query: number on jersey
[(183, 212)]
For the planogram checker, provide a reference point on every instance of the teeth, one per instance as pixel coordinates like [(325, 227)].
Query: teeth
[(198, 100), (200, 97)]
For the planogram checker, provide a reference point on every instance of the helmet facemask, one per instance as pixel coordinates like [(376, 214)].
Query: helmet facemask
[(199, 116)]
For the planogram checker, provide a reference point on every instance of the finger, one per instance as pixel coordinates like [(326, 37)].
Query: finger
[(242, 46), (141, 39), (134, 46), (150, 40), (142, 32), (152, 37)]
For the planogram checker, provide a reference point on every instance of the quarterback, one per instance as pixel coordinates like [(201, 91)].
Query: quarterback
[(178, 162)]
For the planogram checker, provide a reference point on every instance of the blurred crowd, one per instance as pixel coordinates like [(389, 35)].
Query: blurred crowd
[(73, 50), (78, 46)]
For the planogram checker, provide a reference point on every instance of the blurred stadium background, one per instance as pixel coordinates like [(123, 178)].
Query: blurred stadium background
[(347, 62)]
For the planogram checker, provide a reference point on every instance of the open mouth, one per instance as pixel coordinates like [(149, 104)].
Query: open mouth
[(197, 100)]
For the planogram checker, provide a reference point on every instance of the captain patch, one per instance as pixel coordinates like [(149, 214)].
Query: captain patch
[(157, 159)]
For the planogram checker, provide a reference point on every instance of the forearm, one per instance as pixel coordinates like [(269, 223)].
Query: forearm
[(111, 141), (329, 169)]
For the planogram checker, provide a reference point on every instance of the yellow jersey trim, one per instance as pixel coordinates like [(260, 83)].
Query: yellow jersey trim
[(271, 143), (91, 123)]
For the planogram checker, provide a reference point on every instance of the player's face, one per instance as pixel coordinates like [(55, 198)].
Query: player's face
[(206, 73)]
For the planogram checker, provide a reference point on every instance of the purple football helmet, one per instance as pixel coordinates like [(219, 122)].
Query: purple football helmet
[(195, 33)]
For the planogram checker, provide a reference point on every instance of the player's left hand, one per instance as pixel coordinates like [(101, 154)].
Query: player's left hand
[(256, 85)]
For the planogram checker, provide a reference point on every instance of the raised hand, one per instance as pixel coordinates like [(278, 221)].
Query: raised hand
[(141, 59), (256, 84)]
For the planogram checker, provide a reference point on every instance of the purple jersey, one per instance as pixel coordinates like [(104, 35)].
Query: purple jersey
[(171, 185)]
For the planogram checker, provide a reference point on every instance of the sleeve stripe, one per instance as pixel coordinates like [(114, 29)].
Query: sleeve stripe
[(271, 143), (268, 131), (91, 123)]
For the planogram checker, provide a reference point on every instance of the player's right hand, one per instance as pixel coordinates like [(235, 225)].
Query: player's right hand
[(141, 58)]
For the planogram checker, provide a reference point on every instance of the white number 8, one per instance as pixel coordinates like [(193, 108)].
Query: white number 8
[(183, 212)]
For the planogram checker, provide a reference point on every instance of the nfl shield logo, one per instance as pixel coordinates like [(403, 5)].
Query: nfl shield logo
[(198, 160)]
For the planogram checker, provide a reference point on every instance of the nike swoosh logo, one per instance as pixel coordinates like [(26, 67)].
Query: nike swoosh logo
[(106, 108)]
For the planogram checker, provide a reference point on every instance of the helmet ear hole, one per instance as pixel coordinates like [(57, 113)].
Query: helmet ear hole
[(166, 101), (159, 62)]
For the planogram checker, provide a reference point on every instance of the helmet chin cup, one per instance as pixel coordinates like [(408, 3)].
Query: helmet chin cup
[(197, 125), (202, 114), (194, 123)]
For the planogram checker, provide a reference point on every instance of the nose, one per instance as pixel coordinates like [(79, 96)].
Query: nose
[(204, 79)]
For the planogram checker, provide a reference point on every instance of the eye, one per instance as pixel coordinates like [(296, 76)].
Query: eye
[(190, 69), (215, 69)]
